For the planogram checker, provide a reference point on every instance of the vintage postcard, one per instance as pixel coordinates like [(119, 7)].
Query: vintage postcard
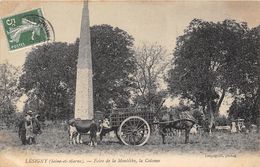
[(129, 83)]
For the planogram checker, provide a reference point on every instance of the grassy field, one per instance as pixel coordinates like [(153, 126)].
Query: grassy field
[(55, 140)]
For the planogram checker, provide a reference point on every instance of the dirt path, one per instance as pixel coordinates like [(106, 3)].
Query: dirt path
[(8, 139)]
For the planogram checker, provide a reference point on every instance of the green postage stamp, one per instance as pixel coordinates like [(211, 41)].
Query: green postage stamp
[(25, 29)]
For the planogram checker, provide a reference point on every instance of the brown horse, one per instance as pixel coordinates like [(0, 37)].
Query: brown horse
[(182, 124), (185, 121)]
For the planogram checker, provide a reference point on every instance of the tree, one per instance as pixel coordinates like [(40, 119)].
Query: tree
[(257, 104), (9, 94), (243, 108), (49, 73), (247, 93), (151, 64), (48, 77), (113, 66), (206, 62), (222, 120)]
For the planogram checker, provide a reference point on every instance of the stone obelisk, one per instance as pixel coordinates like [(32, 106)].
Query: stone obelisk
[(84, 83)]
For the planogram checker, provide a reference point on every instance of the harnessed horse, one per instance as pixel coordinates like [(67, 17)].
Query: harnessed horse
[(185, 123)]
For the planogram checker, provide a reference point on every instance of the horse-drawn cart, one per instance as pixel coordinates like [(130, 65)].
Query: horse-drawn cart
[(132, 125)]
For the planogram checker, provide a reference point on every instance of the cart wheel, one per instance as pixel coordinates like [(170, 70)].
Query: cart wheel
[(134, 130)]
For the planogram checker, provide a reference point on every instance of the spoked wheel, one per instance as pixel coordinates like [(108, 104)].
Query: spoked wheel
[(134, 131)]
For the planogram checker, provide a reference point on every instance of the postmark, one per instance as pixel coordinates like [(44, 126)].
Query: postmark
[(27, 29)]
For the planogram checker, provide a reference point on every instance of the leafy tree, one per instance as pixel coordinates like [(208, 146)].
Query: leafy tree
[(222, 120), (246, 90), (245, 104), (113, 66), (257, 29), (49, 76), (256, 43), (243, 108), (9, 92), (50, 73), (206, 62)]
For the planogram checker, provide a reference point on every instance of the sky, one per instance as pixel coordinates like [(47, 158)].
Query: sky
[(151, 22), (146, 21)]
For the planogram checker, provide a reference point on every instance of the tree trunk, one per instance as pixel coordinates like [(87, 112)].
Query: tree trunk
[(211, 119), (221, 100), (149, 87)]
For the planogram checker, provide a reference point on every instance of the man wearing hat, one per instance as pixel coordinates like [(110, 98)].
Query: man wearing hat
[(29, 127)]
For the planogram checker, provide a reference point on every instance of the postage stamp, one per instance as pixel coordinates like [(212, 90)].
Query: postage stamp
[(26, 29)]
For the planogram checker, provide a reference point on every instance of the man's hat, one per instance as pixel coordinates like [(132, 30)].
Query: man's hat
[(29, 112)]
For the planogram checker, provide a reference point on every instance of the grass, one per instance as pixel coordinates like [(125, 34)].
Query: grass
[(55, 139)]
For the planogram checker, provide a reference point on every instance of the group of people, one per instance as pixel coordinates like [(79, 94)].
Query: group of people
[(28, 129)]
